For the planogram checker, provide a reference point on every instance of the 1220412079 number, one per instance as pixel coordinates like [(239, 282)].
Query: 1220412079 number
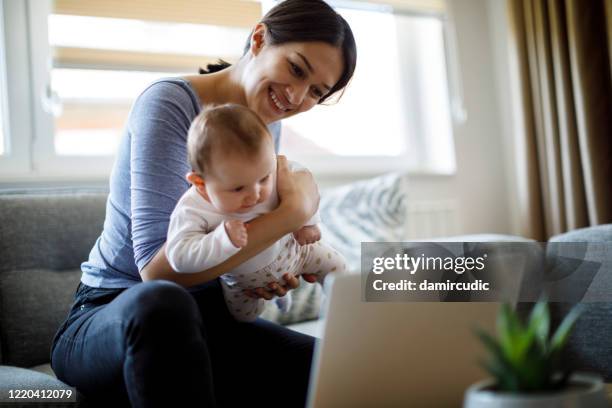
[(39, 394)]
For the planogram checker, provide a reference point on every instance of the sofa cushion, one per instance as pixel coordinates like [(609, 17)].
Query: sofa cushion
[(16, 378), (599, 233), (589, 347), (33, 304), (45, 369), (22, 378), (45, 234), (590, 344), (50, 229)]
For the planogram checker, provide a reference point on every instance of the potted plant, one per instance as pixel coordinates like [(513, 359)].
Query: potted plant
[(526, 365)]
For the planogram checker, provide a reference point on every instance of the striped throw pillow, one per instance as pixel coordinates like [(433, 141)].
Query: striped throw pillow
[(368, 210), (372, 210)]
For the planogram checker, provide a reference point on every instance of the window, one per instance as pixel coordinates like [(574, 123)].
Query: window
[(395, 114), (2, 124), (89, 60), (15, 91), (3, 147), (104, 55), (101, 64), (70, 70)]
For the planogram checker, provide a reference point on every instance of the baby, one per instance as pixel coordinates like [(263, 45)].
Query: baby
[(233, 181)]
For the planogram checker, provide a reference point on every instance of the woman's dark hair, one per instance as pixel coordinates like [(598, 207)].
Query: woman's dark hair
[(303, 21)]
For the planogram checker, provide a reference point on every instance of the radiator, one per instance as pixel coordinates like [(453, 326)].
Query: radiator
[(431, 219)]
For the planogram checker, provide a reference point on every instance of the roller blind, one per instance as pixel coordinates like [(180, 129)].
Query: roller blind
[(233, 13), (72, 57), (419, 6), (243, 14), (228, 13)]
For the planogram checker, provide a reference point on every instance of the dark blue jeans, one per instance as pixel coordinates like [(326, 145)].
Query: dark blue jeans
[(156, 344)]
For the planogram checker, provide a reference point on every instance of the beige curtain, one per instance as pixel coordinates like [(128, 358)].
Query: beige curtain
[(563, 49)]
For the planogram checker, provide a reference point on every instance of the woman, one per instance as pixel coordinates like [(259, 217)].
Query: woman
[(142, 334)]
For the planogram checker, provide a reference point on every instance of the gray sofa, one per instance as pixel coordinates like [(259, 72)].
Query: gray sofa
[(44, 237)]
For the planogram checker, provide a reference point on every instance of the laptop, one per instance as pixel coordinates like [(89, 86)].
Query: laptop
[(396, 354)]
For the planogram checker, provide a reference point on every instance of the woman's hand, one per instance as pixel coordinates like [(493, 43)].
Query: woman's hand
[(274, 289), (298, 193)]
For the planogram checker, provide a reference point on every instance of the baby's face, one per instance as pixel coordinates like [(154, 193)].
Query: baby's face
[(236, 184)]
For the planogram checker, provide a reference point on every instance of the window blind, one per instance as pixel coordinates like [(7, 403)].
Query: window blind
[(226, 13), (411, 6), (233, 13), (83, 58)]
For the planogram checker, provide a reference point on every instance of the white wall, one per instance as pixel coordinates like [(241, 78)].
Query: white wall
[(481, 187)]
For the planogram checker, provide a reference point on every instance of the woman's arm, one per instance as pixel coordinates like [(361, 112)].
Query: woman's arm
[(263, 232), (299, 199)]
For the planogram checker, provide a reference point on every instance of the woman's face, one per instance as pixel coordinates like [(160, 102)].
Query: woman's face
[(286, 79)]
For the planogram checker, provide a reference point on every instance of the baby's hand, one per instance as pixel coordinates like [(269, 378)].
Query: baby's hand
[(307, 235), (237, 232)]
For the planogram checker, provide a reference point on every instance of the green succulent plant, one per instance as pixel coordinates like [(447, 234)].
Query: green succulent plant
[(525, 357)]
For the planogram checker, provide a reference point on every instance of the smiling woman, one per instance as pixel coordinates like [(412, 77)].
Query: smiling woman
[(300, 53), (299, 71), (295, 77)]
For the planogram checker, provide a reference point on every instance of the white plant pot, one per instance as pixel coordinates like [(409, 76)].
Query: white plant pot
[(584, 391)]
